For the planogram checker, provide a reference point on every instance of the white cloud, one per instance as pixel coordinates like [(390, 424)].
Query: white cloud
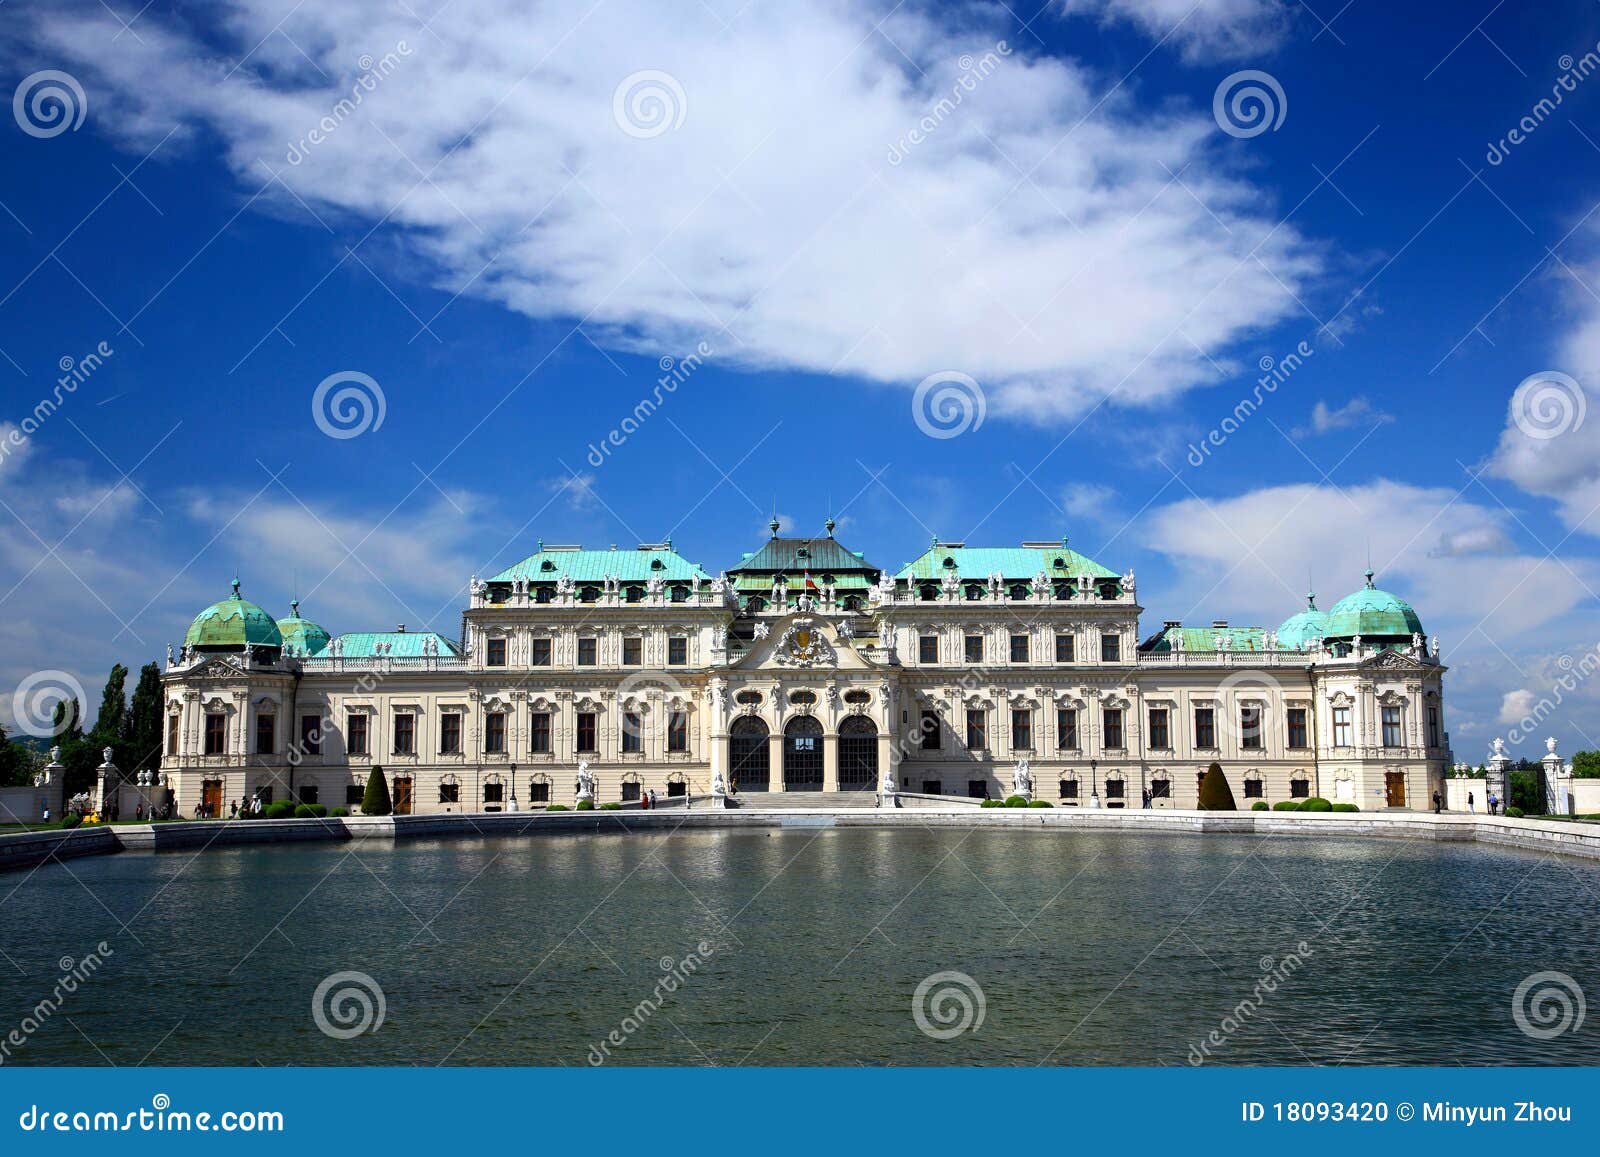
[(1550, 445), (773, 209), (1357, 412), (1204, 28), (1090, 501), (1514, 705)]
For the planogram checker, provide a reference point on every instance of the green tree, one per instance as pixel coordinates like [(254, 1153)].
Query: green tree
[(144, 720), (376, 801), (67, 722), (16, 763), (1215, 794), (1586, 765), (109, 724)]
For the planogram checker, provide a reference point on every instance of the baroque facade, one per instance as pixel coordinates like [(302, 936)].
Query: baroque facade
[(807, 668)]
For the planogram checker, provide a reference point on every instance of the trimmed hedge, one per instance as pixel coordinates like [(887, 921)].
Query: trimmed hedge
[(1316, 804), (1345, 807), (1515, 813), (557, 807), (992, 803), (1215, 794), (71, 820), (1260, 805), (1041, 803), (585, 805), (311, 811), (282, 810), (611, 807), (339, 813), (376, 801), (1286, 805), (1016, 801)]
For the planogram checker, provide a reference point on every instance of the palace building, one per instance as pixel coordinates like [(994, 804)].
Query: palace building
[(807, 668)]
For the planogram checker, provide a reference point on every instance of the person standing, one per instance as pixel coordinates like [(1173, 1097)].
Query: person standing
[(1438, 803), (46, 813), (1471, 807)]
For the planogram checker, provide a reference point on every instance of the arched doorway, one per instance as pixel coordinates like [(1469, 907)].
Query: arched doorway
[(802, 754), (747, 754), (858, 754)]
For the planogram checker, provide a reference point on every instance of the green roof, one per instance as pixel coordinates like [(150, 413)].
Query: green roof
[(402, 644), (232, 623), (594, 566), (1373, 614), (1306, 627), (301, 636), (1012, 563), (795, 556), (1205, 638)]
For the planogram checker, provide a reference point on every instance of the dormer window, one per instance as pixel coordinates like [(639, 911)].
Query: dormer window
[(949, 563), (1060, 562), (547, 565), (657, 564)]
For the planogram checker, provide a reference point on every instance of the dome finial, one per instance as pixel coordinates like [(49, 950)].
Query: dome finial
[(773, 525), (235, 586), (294, 608), (1369, 574), (829, 525)]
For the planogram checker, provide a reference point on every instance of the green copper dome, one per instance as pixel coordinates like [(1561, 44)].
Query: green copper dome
[(301, 636), (1304, 629), (1373, 614), (231, 624)]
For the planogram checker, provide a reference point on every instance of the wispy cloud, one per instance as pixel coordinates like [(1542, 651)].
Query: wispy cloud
[(1357, 413)]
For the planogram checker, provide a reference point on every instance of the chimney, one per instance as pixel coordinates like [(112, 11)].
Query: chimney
[(1219, 624), (400, 630), (1171, 624)]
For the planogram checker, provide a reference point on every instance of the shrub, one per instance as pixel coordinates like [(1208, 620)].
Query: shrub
[(1515, 813), (1215, 794), (1016, 801), (585, 805), (71, 820), (282, 810), (1316, 804), (1260, 805), (310, 811), (1041, 803), (992, 803), (611, 807), (557, 807), (1286, 805), (339, 813), (1345, 807), (376, 801)]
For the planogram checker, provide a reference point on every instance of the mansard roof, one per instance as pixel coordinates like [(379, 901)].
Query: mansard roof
[(403, 644), (1020, 562), (1206, 638), (649, 561), (798, 555)]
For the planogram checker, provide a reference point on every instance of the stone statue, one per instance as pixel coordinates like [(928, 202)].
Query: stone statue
[(1022, 780), (1041, 584), (762, 630), (1416, 642), (951, 584), (885, 634), (846, 629), (719, 786), (105, 754), (477, 586), (655, 586), (1550, 745), (886, 587), (694, 586), (1434, 648), (719, 637), (55, 756), (1499, 746), (890, 787), (169, 654), (1272, 640), (585, 781)]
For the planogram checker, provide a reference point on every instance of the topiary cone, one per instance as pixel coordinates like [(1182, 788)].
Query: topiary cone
[(1215, 794), (376, 801)]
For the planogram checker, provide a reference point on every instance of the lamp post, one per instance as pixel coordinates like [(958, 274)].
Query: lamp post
[(1094, 783), (512, 806)]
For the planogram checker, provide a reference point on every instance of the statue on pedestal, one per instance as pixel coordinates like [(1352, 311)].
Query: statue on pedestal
[(585, 782), (1022, 780)]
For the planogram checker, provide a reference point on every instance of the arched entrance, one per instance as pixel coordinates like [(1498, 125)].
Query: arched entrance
[(858, 754), (802, 754), (749, 767)]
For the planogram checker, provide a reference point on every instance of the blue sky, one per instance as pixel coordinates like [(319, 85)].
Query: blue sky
[(526, 211)]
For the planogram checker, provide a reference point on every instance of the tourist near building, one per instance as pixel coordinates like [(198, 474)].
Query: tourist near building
[(807, 668)]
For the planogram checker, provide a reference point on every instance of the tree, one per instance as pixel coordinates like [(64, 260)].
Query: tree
[(376, 801), (67, 722), (144, 720), (109, 724), (1215, 794), (1586, 765), (16, 763)]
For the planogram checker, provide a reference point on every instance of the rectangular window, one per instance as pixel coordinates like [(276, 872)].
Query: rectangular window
[(1250, 727), (933, 787), (588, 649), (976, 739), (172, 735), (494, 793), (539, 733), (632, 652), (1391, 727), (1022, 730), (1159, 737), (308, 793), (1160, 789), (1300, 788), (977, 789), (678, 732), (405, 733), (1066, 649), (1019, 648), (1433, 726), (974, 650), (632, 733), (928, 649), (538, 792), (630, 791), (1341, 727), (1069, 789), (1067, 729), (677, 652), (1205, 727), (1114, 788), (494, 733), (930, 731), (586, 732), (1113, 721), (311, 734), (1253, 789), (354, 793), (216, 734), (1111, 648), (450, 733), (1297, 727), (266, 734), (497, 652), (355, 733), (449, 793), (541, 653)]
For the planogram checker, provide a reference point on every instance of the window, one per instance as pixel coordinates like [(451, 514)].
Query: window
[(308, 793), (311, 734), (928, 649), (587, 649), (539, 792), (977, 789), (1297, 727), (677, 789), (172, 735), (1341, 727), (974, 651), (1205, 727), (494, 733), (494, 793), (1433, 726), (1069, 789), (1067, 729), (1019, 648), (933, 787), (632, 733), (1300, 787), (1253, 789), (1160, 789), (1391, 726), (216, 734), (497, 652), (405, 733), (1113, 721), (1250, 726), (1022, 729), (266, 733), (976, 737), (930, 731), (586, 731), (541, 653), (632, 652), (354, 793), (1111, 648), (539, 733), (449, 793), (1159, 737), (1066, 649), (450, 733), (677, 652), (630, 791), (1114, 788), (355, 734), (678, 732)]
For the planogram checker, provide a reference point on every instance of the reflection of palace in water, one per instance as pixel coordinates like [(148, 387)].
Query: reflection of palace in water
[(806, 668)]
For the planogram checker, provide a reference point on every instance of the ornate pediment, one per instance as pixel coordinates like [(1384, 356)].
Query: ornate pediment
[(1393, 661), (804, 645)]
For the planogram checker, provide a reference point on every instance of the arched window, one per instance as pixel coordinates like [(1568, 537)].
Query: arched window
[(543, 593), (1019, 590), (755, 603), (634, 594), (929, 592), (858, 754), (974, 592), (589, 594), (680, 593)]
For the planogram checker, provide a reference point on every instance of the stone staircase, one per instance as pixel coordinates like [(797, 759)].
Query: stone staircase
[(803, 800)]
